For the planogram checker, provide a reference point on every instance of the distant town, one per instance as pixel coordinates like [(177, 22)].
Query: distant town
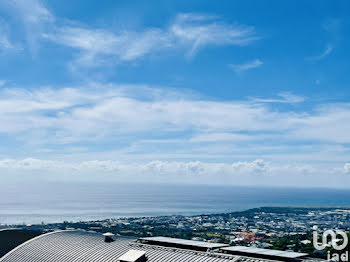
[(281, 228)]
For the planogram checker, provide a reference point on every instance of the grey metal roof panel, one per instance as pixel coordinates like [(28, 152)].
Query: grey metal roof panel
[(76, 246), (236, 248), (132, 255), (184, 242), (291, 254), (262, 251), (271, 252), (267, 252)]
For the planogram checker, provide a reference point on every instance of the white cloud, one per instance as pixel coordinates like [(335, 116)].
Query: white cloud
[(333, 28), (291, 98), (246, 66), (79, 114), (5, 43), (33, 15), (284, 97), (198, 30), (190, 137), (218, 137), (258, 166), (189, 32), (97, 114), (31, 11), (329, 49), (347, 168), (103, 47), (30, 164), (255, 172), (326, 123)]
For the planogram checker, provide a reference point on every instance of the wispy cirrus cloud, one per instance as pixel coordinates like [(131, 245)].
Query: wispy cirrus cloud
[(283, 97), (219, 137), (30, 11), (34, 16), (329, 49), (99, 46), (75, 114), (333, 29), (197, 31), (5, 43), (240, 68), (188, 32)]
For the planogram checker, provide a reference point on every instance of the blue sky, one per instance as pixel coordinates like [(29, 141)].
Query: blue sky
[(239, 92)]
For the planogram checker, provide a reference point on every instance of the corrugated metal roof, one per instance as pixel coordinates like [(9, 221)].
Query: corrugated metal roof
[(266, 252), (184, 242), (69, 246)]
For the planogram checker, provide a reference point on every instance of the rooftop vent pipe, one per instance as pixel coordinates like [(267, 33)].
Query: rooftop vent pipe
[(108, 237)]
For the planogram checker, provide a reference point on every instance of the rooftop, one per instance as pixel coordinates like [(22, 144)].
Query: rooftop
[(183, 242), (76, 245), (264, 252)]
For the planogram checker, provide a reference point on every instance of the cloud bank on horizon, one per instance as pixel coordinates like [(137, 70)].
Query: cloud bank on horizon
[(130, 102)]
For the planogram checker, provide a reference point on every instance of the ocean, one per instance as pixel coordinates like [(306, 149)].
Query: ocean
[(48, 202)]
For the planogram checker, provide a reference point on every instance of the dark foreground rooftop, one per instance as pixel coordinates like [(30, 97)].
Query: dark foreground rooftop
[(12, 237)]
